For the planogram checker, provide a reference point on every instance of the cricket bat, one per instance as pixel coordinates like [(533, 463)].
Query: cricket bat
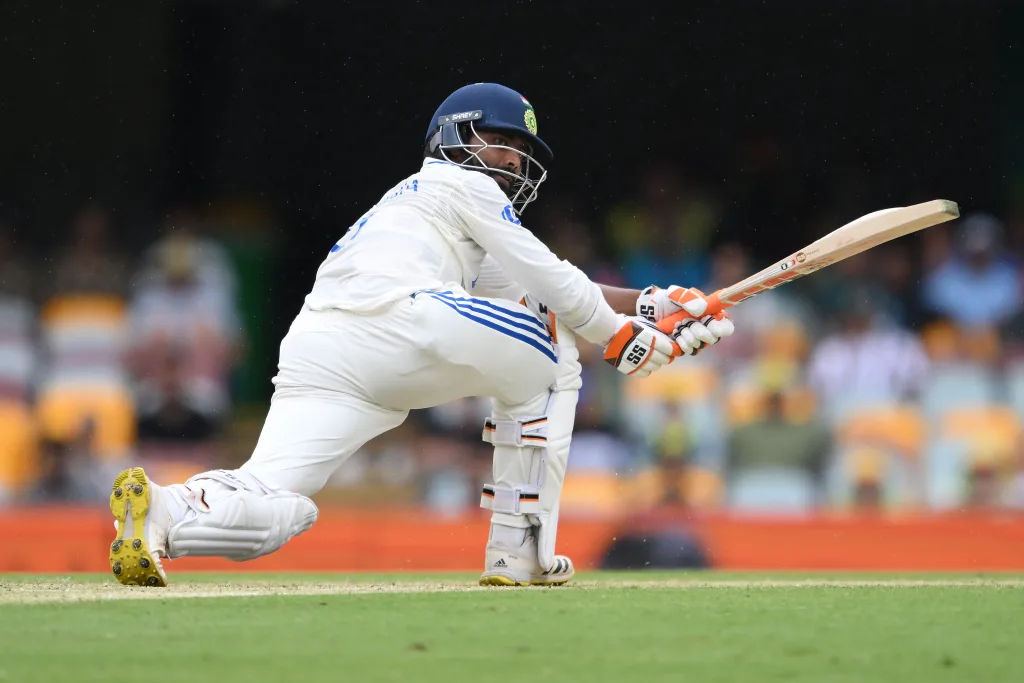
[(851, 239)]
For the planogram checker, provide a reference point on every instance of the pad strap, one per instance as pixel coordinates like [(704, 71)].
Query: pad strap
[(529, 432), (521, 500)]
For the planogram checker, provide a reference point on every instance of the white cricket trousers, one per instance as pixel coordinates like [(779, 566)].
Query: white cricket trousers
[(344, 378)]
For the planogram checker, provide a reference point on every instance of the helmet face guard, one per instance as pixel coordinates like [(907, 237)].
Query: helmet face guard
[(458, 132)]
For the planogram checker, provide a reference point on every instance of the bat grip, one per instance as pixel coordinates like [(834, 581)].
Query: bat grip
[(715, 306)]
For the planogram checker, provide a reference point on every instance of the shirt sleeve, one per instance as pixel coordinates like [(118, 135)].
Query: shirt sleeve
[(561, 286)]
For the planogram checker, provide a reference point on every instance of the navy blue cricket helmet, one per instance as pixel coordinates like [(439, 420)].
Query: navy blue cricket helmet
[(490, 107)]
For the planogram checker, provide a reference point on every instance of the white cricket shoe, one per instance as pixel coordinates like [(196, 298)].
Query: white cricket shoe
[(142, 520), (507, 566), (561, 573)]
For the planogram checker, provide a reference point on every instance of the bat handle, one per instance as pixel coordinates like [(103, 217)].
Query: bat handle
[(715, 306)]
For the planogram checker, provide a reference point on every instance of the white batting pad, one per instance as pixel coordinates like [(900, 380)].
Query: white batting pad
[(239, 518), (531, 450)]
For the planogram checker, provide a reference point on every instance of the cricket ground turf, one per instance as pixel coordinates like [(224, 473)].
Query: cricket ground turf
[(621, 627)]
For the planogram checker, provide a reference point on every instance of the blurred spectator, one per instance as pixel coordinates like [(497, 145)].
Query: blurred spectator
[(672, 452), (896, 274), (983, 481), (83, 334), (88, 263), (212, 268), (865, 475), (777, 463), (663, 233), (72, 470), (178, 314), (868, 359), (167, 413), (867, 494), (978, 286)]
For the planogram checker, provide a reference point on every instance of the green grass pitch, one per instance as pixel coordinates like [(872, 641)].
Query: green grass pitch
[(619, 627)]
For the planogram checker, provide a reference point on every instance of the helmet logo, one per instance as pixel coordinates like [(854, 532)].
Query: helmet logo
[(531, 120), (529, 116)]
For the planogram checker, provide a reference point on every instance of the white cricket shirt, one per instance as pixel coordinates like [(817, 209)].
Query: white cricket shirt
[(433, 230)]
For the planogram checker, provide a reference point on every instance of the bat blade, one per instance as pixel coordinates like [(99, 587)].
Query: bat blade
[(849, 240)]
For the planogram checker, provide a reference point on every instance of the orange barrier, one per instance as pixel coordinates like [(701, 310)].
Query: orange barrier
[(75, 539)]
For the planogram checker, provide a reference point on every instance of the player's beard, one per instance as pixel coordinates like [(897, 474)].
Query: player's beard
[(504, 182)]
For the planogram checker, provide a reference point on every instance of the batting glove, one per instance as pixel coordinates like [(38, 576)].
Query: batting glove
[(639, 348), (694, 331), (655, 303)]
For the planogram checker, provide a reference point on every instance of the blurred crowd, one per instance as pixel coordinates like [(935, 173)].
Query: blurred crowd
[(891, 381), (107, 358)]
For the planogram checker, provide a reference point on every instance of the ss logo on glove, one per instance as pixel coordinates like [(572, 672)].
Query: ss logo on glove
[(636, 354)]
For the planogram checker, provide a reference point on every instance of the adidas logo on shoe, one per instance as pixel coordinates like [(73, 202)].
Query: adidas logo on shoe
[(500, 564)]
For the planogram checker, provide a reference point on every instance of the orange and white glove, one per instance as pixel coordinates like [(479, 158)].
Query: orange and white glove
[(695, 331), (694, 335), (639, 348)]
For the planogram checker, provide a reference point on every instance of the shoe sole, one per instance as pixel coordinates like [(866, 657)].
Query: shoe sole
[(558, 582), (495, 580), (130, 559), (504, 581)]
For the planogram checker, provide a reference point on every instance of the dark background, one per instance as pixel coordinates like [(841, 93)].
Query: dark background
[(310, 111)]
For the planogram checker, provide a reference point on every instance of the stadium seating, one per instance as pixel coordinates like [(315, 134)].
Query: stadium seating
[(901, 428), (774, 490), (18, 449), (959, 385)]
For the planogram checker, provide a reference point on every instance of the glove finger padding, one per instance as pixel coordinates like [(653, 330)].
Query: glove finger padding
[(721, 326), (655, 303), (693, 336), (692, 300), (639, 348)]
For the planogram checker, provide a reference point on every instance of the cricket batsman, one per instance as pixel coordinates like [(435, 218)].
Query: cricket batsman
[(434, 294)]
